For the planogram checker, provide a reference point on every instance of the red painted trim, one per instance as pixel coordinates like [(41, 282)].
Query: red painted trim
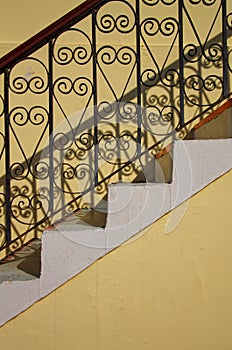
[(164, 151)]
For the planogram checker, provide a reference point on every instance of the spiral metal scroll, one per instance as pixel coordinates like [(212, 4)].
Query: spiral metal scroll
[(27, 122), (210, 84), (26, 205), (34, 83), (204, 2), (36, 116), (80, 53), (123, 22), (118, 150), (156, 2)]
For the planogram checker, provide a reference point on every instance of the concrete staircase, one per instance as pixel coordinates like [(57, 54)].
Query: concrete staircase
[(72, 245)]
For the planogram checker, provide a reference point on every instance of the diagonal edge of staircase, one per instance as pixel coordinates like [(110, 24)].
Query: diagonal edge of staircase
[(67, 250)]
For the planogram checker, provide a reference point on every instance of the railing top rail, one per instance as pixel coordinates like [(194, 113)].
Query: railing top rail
[(48, 33)]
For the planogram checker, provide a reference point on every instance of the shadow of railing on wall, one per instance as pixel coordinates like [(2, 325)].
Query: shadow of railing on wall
[(105, 141)]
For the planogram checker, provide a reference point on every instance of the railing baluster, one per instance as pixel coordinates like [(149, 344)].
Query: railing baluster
[(7, 156), (94, 48), (224, 46), (50, 120), (181, 62), (138, 48)]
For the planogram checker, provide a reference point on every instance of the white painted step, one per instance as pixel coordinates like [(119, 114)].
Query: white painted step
[(131, 207)]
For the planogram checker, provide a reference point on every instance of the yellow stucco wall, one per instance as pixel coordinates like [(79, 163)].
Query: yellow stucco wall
[(159, 291), (19, 20)]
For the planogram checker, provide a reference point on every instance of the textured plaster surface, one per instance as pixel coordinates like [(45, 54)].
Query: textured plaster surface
[(156, 291), (131, 208)]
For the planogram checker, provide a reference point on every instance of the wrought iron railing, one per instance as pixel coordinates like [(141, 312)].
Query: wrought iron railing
[(91, 98)]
